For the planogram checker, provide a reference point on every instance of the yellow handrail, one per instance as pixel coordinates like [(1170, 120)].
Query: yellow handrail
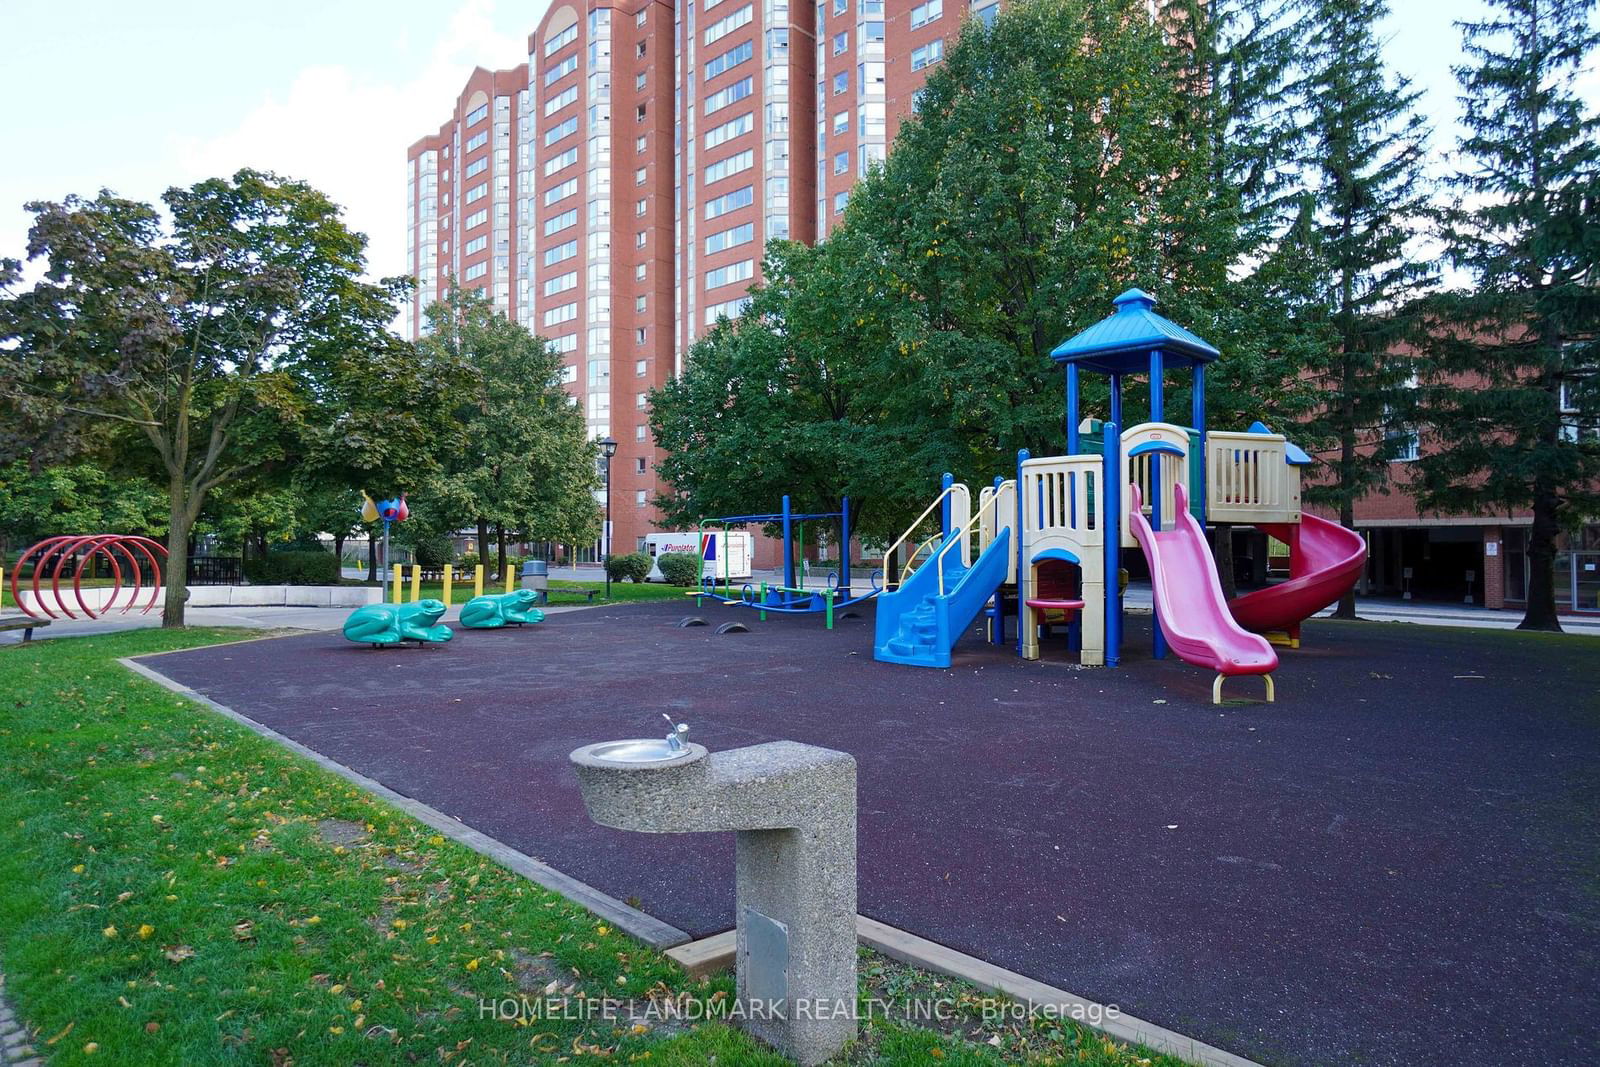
[(966, 532), (918, 520), (911, 560)]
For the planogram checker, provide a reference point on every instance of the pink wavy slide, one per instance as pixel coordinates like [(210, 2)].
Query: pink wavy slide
[(1189, 603)]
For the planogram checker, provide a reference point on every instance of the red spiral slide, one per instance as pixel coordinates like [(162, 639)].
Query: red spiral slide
[(1325, 561)]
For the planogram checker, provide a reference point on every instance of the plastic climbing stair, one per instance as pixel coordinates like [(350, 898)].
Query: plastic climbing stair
[(919, 623)]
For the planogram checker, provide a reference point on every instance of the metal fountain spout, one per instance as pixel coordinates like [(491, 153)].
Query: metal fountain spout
[(678, 738)]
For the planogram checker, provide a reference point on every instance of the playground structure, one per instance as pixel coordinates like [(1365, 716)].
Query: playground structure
[(51, 558), (381, 625), (516, 608), (1058, 542), (792, 597)]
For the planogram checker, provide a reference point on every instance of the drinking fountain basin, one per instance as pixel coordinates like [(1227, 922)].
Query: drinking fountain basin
[(638, 750)]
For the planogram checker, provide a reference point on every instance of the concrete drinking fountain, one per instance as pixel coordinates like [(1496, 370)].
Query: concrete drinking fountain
[(793, 809)]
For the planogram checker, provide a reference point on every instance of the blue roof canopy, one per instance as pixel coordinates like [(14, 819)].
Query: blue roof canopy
[(1122, 342)]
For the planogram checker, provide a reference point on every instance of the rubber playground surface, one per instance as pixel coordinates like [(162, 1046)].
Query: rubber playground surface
[(1396, 863)]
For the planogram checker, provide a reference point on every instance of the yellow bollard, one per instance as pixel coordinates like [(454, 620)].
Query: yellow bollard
[(449, 573), (416, 582), (477, 580), (399, 571), (511, 578)]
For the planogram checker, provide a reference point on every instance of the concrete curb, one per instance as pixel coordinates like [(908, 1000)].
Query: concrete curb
[(711, 954), (646, 928), (16, 1043)]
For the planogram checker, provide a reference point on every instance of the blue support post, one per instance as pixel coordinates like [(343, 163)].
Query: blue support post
[(997, 608), (1111, 495), (1072, 409), (1158, 640), (1022, 548), (788, 550), (844, 547), (944, 507), (1197, 415), (1116, 399)]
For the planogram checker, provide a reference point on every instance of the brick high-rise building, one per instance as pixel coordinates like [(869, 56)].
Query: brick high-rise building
[(615, 193)]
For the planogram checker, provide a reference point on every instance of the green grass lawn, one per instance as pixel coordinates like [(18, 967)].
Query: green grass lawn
[(561, 592), (180, 890)]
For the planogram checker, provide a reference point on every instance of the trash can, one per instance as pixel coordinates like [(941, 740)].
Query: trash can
[(536, 576)]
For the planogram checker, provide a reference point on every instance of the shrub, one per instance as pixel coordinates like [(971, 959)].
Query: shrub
[(679, 568), (633, 567), (293, 568), (434, 552)]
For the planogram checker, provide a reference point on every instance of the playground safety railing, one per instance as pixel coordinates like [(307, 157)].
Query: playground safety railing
[(961, 503), (1001, 517), (987, 503), (1142, 447), (1249, 479), (1062, 495)]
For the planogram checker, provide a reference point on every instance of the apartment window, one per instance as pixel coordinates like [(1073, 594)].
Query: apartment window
[(640, 465), (839, 201), (478, 115), (475, 168), (640, 402), (841, 82), (639, 175), (475, 142), (987, 15), (741, 234), (567, 343), (639, 143), (560, 130), (639, 271), (638, 432), (730, 129), (561, 222), (741, 271), (561, 69), (564, 313), (561, 192), (639, 337), (873, 33), (729, 59), (561, 40), (560, 252), (640, 238), (638, 498), (477, 244), (731, 94), (477, 192), (564, 99), (639, 207), (841, 6), (730, 202), (561, 283), (640, 366), (477, 270), (640, 112), (477, 218), (639, 80), (569, 373), (841, 42), (923, 14), (927, 55), (561, 162), (729, 310), (641, 304), (727, 24), (639, 50), (734, 164), (841, 162), (841, 122)]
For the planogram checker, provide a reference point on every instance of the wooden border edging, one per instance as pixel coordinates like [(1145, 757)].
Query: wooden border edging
[(646, 928)]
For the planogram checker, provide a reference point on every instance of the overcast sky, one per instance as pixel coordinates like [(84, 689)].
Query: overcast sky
[(138, 96)]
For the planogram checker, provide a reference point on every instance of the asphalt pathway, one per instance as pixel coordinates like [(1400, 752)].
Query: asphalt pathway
[(1393, 864)]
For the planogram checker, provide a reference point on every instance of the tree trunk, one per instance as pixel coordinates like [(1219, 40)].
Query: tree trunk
[(500, 535), (177, 576), (1347, 602), (1222, 552), (372, 555), (1541, 613), (483, 542)]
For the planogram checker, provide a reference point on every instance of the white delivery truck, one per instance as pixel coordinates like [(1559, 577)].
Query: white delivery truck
[(726, 552)]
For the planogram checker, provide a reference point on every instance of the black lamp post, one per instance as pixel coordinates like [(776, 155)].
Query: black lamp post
[(608, 448)]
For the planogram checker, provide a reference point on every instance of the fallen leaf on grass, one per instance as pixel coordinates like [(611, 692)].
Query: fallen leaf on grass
[(179, 953), (65, 1031)]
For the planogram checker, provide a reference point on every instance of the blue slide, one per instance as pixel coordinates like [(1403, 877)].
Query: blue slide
[(917, 626)]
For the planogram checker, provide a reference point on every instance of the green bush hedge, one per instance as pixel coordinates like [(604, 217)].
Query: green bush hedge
[(634, 567), (293, 568), (679, 568), (434, 552)]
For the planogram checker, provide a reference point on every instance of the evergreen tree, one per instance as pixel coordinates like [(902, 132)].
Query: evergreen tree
[(1513, 393), (1365, 149)]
